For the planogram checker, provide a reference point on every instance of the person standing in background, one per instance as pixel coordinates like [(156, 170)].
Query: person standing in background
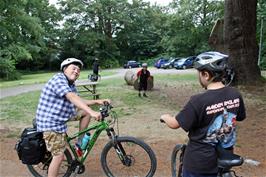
[(143, 76), (95, 71)]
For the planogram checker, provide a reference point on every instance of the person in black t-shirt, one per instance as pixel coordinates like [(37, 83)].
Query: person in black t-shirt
[(96, 66), (143, 76), (95, 71), (209, 118)]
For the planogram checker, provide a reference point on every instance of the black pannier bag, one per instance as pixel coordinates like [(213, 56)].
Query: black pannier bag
[(31, 147)]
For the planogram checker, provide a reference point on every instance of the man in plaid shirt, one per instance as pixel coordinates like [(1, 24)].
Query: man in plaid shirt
[(58, 104)]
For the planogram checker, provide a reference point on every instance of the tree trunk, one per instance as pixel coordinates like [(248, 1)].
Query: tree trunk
[(240, 35), (216, 39)]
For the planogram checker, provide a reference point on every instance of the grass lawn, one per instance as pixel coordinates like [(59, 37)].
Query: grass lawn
[(44, 77), (22, 108)]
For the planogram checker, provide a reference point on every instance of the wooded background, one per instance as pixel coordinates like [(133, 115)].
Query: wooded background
[(35, 35)]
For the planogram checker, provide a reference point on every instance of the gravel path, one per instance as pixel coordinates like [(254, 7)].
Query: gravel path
[(13, 91)]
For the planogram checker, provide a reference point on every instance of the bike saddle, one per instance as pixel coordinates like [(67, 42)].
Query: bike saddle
[(226, 159)]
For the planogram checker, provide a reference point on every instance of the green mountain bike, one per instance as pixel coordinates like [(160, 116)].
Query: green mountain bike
[(121, 156)]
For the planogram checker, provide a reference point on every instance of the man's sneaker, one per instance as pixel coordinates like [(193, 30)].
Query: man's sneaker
[(144, 94), (139, 95)]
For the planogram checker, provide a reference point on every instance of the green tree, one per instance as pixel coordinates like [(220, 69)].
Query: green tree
[(189, 25), (20, 36), (90, 27), (109, 30), (49, 18), (141, 33), (28, 35)]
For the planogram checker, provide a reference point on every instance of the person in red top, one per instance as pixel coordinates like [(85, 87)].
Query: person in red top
[(143, 76)]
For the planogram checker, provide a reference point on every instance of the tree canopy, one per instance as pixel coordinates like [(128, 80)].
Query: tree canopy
[(36, 35)]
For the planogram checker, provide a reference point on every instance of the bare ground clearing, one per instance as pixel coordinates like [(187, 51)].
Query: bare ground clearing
[(144, 124)]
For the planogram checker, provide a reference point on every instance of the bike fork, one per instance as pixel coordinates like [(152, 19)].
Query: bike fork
[(118, 148)]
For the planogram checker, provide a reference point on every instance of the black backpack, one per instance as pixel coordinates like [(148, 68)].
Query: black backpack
[(31, 147)]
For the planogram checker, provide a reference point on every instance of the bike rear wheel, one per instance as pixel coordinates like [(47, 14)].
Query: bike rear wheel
[(41, 169), (177, 160), (128, 156)]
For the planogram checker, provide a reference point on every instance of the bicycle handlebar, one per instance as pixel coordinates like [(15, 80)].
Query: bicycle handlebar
[(105, 109)]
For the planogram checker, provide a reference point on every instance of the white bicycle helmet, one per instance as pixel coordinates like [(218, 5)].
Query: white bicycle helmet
[(211, 61), (69, 61), (144, 65)]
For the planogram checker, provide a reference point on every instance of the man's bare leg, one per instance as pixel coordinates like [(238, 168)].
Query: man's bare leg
[(55, 165)]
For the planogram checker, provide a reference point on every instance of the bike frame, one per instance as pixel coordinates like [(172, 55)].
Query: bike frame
[(98, 127), (181, 147)]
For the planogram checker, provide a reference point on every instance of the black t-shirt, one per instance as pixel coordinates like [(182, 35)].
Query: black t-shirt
[(144, 75), (210, 118), (95, 68)]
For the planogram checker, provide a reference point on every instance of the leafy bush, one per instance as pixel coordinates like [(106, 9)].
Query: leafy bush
[(111, 63), (8, 70)]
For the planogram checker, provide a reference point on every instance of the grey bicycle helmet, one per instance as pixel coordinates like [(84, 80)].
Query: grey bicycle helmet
[(69, 61), (211, 61)]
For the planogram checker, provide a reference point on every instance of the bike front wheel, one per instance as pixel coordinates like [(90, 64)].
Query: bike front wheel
[(177, 160), (41, 169), (128, 156)]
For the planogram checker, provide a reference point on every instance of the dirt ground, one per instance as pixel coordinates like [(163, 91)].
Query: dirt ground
[(251, 142)]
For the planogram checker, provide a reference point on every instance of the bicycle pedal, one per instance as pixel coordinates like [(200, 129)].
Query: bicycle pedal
[(81, 169)]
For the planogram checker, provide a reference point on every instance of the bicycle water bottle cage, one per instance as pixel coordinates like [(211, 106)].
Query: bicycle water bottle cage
[(227, 159)]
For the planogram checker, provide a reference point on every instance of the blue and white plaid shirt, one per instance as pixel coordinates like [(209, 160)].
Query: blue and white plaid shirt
[(54, 110)]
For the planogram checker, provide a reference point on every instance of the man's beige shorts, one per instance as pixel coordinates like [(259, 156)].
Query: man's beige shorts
[(55, 142)]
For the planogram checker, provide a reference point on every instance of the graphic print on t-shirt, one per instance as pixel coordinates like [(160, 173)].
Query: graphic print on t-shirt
[(222, 130)]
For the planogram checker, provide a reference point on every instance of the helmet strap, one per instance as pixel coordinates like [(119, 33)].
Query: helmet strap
[(208, 83), (69, 82)]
